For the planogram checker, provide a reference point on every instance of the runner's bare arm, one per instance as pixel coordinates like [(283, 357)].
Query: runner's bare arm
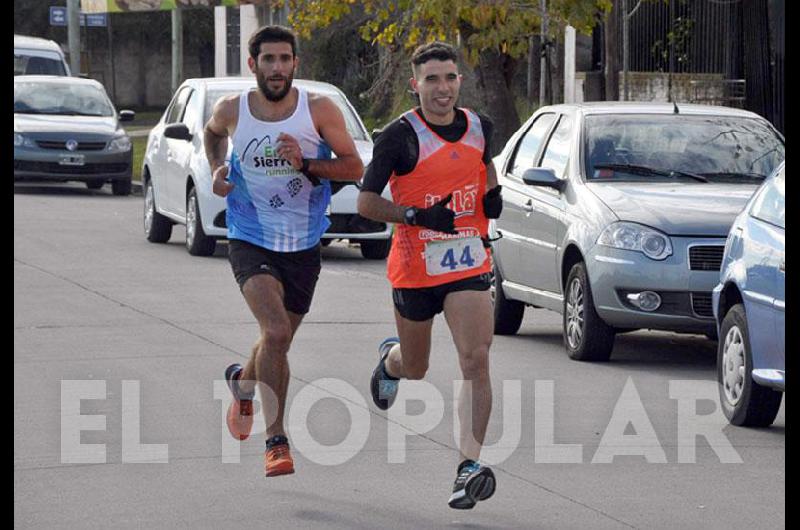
[(347, 165), (215, 141), (372, 206)]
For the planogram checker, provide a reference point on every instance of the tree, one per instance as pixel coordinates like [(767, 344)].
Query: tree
[(492, 34)]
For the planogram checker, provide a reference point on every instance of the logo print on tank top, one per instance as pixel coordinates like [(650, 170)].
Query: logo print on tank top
[(276, 201), (294, 186)]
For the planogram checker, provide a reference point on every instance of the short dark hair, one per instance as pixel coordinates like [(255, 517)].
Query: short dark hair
[(440, 51), (271, 34)]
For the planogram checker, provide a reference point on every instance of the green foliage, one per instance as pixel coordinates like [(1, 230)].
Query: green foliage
[(502, 25)]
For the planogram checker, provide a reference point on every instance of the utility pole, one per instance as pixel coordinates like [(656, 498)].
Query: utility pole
[(671, 49), (74, 36), (530, 72), (177, 48), (543, 59), (625, 44)]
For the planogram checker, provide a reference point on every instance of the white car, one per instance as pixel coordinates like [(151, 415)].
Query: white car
[(176, 177)]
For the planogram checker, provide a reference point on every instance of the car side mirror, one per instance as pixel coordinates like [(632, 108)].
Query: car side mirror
[(179, 131), (126, 115), (542, 176)]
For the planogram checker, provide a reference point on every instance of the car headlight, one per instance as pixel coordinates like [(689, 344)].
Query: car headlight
[(20, 140), (636, 237), (122, 143)]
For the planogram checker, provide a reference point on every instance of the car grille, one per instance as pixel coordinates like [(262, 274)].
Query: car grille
[(82, 146), (56, 168), (701, 304), (706, 257)]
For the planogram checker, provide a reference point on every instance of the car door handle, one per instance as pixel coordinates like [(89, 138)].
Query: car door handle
[(528, 207)]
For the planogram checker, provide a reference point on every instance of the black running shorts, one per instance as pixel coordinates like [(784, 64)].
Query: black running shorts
[(423, 304), (297, 271)]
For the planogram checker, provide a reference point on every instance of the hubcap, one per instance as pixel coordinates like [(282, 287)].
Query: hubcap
[(191, 217), (574, 314), (149, 205), (733, 372)]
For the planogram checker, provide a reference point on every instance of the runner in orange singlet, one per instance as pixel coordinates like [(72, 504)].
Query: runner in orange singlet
[(437, 162)]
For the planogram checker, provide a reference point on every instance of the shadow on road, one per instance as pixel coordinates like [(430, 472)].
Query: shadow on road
[(67, 189)]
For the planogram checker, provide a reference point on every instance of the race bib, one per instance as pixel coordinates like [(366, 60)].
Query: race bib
[(454, 255)]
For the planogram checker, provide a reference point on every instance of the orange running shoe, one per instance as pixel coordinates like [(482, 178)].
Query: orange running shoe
[(277, 459), (240, 411)]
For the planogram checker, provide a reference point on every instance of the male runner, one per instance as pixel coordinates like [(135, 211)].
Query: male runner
[(277, 190), (434, 156)]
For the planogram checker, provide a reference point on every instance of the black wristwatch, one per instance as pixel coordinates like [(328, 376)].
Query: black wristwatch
[(410, 216), (304, 167)]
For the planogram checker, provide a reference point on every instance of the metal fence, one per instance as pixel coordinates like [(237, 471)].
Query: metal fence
[(741, 40)]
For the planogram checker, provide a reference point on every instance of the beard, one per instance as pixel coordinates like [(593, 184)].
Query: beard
[(272, 95)]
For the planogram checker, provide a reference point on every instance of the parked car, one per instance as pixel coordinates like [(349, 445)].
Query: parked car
[(35, 56), (749, 307), (67, 129), (177, 178), (615, 215)]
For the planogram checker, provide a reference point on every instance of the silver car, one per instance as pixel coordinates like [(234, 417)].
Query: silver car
[(616, 215), (66, 128)]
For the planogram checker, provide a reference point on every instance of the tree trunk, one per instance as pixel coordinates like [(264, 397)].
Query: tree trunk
[(611, 66), (493, 78)]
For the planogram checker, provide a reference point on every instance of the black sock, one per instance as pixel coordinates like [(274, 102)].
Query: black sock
[(466, 462), (278, 439)]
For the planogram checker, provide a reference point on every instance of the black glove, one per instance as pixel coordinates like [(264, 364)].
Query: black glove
[(438, 217), (493, 203)]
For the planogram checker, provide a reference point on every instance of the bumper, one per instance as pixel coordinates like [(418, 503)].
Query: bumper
[(775, 379), (686, 294), (47, 165)]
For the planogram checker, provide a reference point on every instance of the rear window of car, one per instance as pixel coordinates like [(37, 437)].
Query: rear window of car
[(352, 122), (720, 148)]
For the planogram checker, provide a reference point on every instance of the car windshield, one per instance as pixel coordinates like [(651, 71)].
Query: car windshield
[(692, 148), (350, 119), (60, 98), (38, 64)]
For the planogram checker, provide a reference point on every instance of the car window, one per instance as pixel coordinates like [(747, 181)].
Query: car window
[(556, 154), (528, 147), (193, 111), (42, 63), (351, 120), (770, 206), (68, 99), (175, 112), (720, 148)]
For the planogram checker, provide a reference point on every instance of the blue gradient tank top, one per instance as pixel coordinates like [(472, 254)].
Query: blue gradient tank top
[(273, 205)]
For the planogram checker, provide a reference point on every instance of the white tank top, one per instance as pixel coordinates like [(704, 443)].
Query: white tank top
[(273, 205)]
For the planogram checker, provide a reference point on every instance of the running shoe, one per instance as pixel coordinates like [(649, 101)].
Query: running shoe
[(277, 458), (382, 386), (474, 483), (240, 412)]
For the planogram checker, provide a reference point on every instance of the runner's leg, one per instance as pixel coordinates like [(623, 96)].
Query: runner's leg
[(469, 316), (269, 364), (410, 362)]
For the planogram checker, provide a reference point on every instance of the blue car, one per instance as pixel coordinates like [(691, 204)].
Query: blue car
[(749, 307)]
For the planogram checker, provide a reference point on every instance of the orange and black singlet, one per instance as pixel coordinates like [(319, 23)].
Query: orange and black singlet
[(421, 257)]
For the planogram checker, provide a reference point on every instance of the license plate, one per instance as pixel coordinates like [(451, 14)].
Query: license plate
[(71, 160), (454, 255)]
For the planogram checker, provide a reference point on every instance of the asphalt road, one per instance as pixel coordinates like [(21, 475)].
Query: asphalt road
[(100, 312)]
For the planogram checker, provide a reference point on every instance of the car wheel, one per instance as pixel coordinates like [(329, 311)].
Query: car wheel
[(507, 313), (375, 248), (197, 242), (743, 401), (121, 187), (94, 184), (157, 228), (586, 336)]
